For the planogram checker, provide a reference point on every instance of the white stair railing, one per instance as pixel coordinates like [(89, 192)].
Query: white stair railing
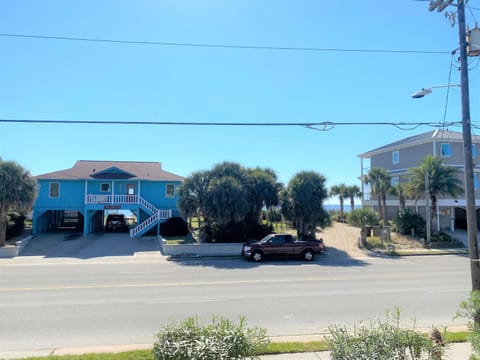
[(149, 222), (147, 205)]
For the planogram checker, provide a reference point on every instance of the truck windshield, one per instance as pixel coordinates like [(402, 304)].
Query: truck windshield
[(266, 238)]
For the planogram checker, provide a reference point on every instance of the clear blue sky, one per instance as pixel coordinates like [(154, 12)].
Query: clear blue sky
[(73, 80)]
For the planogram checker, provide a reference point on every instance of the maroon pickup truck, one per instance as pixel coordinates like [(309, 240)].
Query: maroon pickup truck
[(282, 245)]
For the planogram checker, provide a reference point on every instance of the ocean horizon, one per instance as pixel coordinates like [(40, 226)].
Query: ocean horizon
[(336, 207)]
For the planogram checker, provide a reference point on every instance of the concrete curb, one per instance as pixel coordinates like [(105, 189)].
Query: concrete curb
[(12, 251)]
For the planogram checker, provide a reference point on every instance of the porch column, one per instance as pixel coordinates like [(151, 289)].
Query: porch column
[(438, 217), (452, 218), (86, 222)]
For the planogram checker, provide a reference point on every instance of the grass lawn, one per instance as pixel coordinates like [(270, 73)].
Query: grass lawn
[(175, 240), (273, 348)]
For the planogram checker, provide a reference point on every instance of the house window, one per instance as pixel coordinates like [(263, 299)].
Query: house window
[(170, 190), (395, 157), (476, 183), (445, 150), (394, 180), (54, 191), (474, 151), (105, 187)]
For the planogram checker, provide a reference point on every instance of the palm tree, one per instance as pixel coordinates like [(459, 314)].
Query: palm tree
[(17, 188), (400, 191), (339, 190), (302, 202), (353, 192), (192, 195), (437, 179), (379, 179)]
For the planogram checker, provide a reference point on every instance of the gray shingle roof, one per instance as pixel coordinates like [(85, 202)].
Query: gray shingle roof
[(435, 135), (83, 169)]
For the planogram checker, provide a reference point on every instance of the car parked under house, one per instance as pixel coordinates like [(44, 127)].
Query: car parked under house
[(86, 193)]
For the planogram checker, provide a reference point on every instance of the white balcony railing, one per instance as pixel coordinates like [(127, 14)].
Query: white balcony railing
[(111, 199)]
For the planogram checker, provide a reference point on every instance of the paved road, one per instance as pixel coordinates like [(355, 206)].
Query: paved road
[(48, 304)]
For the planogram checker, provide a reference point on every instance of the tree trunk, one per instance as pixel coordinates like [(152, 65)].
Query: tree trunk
[(384, 213), (380, 211), (352, 203), (402, 203), (300, 228), (433, 213), (363, 235), (341, 207), (3, 225)]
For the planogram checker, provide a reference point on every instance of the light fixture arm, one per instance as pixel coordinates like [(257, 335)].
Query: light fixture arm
[(426, 91)]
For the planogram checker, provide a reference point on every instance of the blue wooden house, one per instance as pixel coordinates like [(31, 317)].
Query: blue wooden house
[(82, 196)]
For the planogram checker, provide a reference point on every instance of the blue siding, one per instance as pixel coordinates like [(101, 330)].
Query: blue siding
[(71, 195), (155, 192)]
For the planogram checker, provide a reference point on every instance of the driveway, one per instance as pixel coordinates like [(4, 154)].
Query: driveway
[(74, 245), (461, 235)]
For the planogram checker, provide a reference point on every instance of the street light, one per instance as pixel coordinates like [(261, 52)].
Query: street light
[(426, 91)]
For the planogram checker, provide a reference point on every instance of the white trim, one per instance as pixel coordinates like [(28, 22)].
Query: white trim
[(447, 156), (166, 190), (50, 190), (395, 157)]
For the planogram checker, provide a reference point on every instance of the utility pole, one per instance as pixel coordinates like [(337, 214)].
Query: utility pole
[(428, 214), (467, 154), (467, 144)]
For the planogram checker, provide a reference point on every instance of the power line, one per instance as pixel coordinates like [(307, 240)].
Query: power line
[(321, 126), (222, 46)]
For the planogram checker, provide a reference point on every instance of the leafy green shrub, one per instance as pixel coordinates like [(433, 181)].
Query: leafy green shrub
[(441, 237), (222, 340), (274, 215), (362, 216), (470, 309), (383, 340), (15, 224), (407, 220), (234, 232), (174, 226)]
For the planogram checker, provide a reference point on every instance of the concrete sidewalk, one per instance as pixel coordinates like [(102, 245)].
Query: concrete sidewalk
[(457, 351)]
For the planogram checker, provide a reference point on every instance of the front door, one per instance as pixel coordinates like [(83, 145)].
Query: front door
[(131, 192)]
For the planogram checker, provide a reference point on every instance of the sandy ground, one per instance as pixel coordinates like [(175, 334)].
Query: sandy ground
[(343, 237)]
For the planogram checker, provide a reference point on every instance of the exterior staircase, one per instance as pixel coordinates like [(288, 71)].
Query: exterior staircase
[(156, 217)]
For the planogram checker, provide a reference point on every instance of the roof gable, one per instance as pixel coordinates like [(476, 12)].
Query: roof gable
[(112, 173), (427, 137)]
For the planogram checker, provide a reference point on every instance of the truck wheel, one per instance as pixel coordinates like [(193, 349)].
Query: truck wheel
[(257, 256), (308, 255)]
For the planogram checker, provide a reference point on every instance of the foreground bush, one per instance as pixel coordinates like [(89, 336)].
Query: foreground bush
[(220, 340), (470, 309), (381, 341), (174, 226)]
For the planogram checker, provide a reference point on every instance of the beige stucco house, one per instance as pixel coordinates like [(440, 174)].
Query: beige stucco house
[(398, 157)]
